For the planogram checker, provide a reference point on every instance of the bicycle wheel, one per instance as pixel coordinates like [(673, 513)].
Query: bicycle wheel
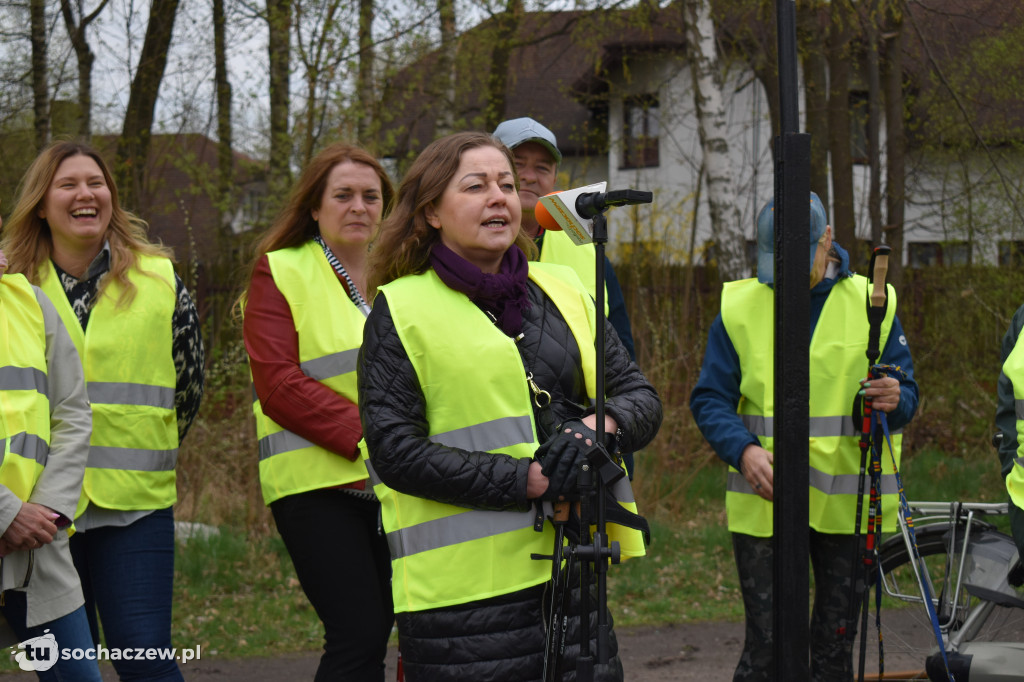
[(907, 633)]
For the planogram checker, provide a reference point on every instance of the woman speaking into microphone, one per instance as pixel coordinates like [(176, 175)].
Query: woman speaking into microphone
[(476, 381)]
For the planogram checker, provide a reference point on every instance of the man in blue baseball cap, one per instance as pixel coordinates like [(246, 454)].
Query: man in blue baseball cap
[(821, 239), (733, 404), (537, 157)]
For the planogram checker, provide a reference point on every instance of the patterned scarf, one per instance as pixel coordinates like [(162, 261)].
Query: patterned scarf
[(353, 292)]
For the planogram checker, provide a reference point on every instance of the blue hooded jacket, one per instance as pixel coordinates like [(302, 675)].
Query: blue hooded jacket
[(716, 396)]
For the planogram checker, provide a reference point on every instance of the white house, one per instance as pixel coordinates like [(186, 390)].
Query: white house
[(622, 107)]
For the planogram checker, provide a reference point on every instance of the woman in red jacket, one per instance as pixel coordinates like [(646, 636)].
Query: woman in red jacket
[(304, 316)]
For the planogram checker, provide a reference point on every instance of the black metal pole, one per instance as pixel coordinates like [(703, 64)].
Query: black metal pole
[(601, 533), (792, 375)]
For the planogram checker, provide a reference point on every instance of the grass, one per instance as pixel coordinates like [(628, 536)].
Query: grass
[(688, 574), (238, 596)]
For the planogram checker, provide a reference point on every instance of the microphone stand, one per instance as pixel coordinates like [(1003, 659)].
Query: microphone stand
[(592, 551), (595, 551)]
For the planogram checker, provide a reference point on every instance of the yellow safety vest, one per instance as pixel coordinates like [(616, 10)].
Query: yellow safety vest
[(559, 248), (837, 363), (130, 376), (330, 331), (24, 400), (477, 399), (1013, 368)]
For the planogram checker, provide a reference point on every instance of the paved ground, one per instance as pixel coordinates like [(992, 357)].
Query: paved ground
[(706, 652), (689, 652)]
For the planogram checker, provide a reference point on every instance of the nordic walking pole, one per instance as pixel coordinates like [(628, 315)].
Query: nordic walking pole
[(877, 304)]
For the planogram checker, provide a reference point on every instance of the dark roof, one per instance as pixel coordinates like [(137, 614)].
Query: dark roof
[(554, 73), (560, 63)]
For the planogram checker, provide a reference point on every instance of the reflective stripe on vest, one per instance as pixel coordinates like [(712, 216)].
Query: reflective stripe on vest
[(838, 362), (130, 376), (330, 330), (24, 401), (820, 427), (23, 378), (441, 554), (1013, 368), (557, 247)]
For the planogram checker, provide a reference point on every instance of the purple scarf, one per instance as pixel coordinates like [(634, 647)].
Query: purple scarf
[(504, 294)]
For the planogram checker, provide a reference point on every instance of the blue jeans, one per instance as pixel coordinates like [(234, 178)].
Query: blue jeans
[(127, 576), (69, 632)]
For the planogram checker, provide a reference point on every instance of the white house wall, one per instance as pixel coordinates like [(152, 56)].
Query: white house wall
[(937, 207), (668, 224)]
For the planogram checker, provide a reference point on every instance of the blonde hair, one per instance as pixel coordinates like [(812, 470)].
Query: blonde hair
[(28, 242), (406, 237)]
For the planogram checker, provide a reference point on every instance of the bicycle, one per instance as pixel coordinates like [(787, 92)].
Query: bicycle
[(970, 567)]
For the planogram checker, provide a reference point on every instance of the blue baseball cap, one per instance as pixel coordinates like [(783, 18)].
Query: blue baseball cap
[(516, 131), (766, 237)]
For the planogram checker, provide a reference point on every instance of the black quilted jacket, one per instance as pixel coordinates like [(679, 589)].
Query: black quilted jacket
[(395, 429)]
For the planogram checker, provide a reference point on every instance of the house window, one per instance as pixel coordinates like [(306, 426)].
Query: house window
[(859, 118), (929, 254), (1011, 254), (249, 210), (640, 132)]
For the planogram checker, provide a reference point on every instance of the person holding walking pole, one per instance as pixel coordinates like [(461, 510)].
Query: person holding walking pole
[(733, 406), (476, 379)]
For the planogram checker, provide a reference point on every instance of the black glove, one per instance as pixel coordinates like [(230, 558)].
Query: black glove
[(562, 455)]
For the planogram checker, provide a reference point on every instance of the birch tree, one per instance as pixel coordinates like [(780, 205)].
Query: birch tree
[(811, 30), (874, 78), (712, 126), (321, 45)]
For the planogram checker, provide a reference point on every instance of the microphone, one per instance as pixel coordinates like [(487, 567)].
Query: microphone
[(573, 211), (589, 205)]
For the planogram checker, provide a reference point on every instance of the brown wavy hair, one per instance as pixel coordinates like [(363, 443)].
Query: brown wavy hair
[(295, 224), (406, 237), (28, 242)]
